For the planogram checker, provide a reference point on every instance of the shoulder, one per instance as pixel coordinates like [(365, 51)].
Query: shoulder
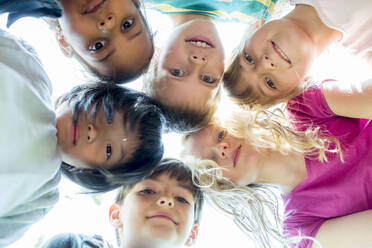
[(71, 240)]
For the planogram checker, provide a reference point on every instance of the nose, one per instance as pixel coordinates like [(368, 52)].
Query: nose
[(92, 134), (223, 149), (198, 59), (267, 63), (165, 201), (107, 23)]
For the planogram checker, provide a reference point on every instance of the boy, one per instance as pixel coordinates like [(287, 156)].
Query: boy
[(162, 210), (108, 134)]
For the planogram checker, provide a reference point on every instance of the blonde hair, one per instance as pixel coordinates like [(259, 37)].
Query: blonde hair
[(255, 207), (269, 128)]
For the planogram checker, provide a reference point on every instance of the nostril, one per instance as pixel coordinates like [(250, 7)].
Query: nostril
[(272, 64), (266, 57), (169, 204), (89, 128), (102, 23), (88, 137), (194, 57), (203, 59)]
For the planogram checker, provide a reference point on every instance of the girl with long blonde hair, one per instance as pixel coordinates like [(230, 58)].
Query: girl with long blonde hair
[(321, 164)]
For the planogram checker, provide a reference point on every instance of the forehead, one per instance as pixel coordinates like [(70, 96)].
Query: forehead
[(171, 180)]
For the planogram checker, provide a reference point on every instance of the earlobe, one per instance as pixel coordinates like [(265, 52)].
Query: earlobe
[(193, 235), (65, 47), (114, 216)]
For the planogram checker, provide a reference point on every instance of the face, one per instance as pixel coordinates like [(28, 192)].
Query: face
[(158, 212), (274, 61), (109, 35), (92, 144), (191, 64), (239, 160)]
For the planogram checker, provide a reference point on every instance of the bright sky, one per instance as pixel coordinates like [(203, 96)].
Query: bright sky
[(82, 214)]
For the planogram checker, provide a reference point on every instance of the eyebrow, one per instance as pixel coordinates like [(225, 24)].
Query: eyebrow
[(135, 35), (181, 185)]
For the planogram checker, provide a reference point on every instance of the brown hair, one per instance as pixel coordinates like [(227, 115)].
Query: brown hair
[(249, 96)]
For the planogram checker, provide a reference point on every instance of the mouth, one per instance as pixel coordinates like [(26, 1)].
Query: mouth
[(201, 42), (163, 216), (74, 133), (93, 6), (280, 52), (236, 155)]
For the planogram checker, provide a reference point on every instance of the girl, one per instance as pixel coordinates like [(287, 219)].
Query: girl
[(110, 38), (272, 63), (323, 167), (105, 135), (191, 63)]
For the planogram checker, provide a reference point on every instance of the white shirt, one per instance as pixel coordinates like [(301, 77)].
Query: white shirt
[(29, 161), (352, 18)]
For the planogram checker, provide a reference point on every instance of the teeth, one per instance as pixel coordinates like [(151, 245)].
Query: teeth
[(200, 43), (281, 53)]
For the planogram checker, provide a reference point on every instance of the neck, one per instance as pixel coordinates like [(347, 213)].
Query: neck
[(179, 19), (284, 171), (306, 18)]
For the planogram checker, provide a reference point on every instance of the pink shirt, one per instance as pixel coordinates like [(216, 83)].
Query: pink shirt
[(352, 18), (330, 189)]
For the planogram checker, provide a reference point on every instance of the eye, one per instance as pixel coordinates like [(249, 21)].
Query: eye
[(270, 83), (147, 192), (220, 136), (108, 151), (177, 72), (127, 24), (208, 79), (248, 58), (98, 45), (182, 200)]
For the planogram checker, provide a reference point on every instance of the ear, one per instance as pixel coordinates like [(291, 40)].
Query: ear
[(114, 216), (65, 47), (193, 235)]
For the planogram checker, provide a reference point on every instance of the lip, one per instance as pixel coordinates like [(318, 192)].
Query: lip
[(74, 133), (280, 53), (163, 216), (201, 38), (93, 6), (236, 155)]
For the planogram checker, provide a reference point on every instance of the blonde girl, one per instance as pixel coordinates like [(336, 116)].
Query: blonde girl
[(322, 166)]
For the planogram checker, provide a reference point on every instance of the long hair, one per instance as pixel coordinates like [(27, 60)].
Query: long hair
[(255, 207), (140, 115)]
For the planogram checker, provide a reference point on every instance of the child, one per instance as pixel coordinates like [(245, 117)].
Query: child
[(272, 63), (111, 136), (326, 195), (110, 38), (185, 77), (161, 210)]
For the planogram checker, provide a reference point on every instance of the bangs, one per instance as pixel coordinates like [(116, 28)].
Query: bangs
[(175, 170)]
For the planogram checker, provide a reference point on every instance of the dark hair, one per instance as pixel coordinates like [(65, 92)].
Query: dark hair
[(140, 115), (175, 169)]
